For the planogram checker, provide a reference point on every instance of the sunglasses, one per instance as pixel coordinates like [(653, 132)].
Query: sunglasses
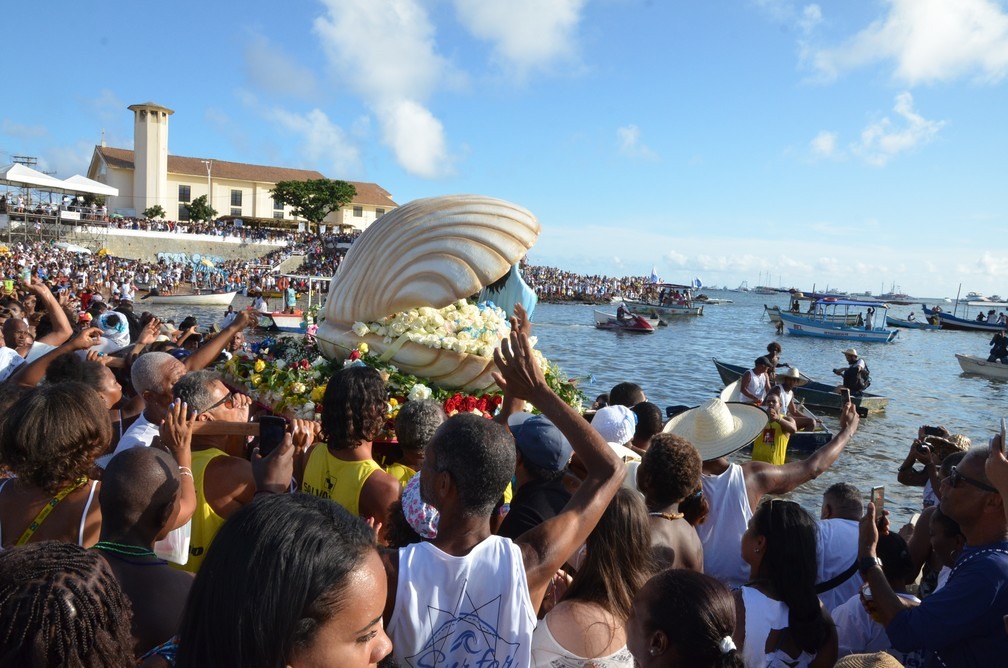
[(955, 476), (228, 400)]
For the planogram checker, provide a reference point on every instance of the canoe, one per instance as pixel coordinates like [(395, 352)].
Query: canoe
[(637, 325), (909, 324), (206, 298), (773, 312), (805, 442), (981, 367), (949, 321), (816, 396)]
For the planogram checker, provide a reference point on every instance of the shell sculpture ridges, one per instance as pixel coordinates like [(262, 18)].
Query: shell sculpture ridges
[(430, 252)]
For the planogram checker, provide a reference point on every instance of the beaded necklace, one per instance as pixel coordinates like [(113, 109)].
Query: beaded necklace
[(121, 550)]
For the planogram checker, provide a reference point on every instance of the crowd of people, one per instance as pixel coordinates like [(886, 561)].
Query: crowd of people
[(151, 514)]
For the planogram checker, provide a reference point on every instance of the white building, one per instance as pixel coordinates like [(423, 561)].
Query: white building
[(148, 176)]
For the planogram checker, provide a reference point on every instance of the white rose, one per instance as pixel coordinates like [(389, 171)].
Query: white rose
[(360, 329), (419, 392)]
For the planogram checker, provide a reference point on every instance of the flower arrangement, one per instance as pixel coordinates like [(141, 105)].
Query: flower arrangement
[(289, 375)]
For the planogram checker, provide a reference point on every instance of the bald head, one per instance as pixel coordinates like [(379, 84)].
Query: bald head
[(138, 490)]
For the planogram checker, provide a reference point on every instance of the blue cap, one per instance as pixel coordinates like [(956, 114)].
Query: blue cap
[(541, 444)]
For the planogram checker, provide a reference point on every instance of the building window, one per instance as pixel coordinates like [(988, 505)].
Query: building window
[(236, 211), (184, 195), (183, 210), (278, 215), (277, 205), (236, 198), (378, 213), (358, 211)]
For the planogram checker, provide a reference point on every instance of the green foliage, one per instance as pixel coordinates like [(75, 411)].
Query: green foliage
[(91, 198), (200, 210), (314, 200), (154, 212)]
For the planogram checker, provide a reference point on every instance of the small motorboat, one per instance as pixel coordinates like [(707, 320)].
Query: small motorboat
[(634, 323), (910, 324), (981, 367), (288, 322)]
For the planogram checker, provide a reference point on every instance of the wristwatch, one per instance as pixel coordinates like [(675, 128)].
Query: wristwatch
[(865, 564)]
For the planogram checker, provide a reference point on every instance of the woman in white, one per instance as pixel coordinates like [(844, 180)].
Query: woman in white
[(781, 622), (586, 627)]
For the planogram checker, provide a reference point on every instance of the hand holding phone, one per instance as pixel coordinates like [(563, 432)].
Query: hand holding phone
[(878, 498), (271, 433), (845, 395)]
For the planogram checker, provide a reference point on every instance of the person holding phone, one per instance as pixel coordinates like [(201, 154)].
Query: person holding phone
[(930, 447), (961, 624)]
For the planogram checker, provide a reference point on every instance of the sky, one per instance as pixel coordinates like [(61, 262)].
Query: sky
[(854, 145)]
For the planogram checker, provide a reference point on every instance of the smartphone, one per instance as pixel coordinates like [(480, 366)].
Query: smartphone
[(845, 395), (271, 433), (932, 431), (26, 276), (878, 498), (922, 448)]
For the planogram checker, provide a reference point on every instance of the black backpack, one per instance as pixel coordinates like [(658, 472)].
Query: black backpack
[(864, 378)]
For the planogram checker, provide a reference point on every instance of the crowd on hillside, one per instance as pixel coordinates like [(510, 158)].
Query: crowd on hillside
[(152, 515)]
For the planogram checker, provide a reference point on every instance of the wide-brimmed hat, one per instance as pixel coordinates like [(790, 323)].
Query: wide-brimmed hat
[(716, 428), (850, 351), (794, 373)]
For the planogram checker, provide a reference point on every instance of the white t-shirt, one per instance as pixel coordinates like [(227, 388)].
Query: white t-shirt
[(139, 435), (462, 611), (721, 534), (9, 362), (836, 551), (37, 350), (858, 633)]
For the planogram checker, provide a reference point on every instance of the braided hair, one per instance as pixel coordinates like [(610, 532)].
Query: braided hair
[(60, 605)]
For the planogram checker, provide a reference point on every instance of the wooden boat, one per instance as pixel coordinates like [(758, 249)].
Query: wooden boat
[(636, 324), (816, 324), (196, 298), (981, 367), (805, 442), (949, 321), (288, 322), (909, 324), (816, 396), (773, 312)]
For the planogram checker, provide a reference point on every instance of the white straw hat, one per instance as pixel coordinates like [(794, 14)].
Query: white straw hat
[(794, 373), (716, 428), (850, 351)]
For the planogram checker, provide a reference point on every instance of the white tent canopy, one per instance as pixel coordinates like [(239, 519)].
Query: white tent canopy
[(82, 184), (19, 175)]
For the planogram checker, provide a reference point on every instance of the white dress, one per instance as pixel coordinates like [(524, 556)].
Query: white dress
[(763, 616), (548, 653)]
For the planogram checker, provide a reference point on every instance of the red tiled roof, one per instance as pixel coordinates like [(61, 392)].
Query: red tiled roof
[(367, 193)]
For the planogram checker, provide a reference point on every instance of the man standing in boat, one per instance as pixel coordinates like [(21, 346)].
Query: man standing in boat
[(854, 374)]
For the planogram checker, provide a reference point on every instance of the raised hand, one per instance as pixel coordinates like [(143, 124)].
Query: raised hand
[(176, 432), (518, 371)]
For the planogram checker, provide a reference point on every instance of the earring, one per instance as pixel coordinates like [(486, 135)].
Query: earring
[(755, 549), (654, 651)]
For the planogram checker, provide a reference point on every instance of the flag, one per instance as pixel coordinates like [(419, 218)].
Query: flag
[(654, 276), (697, 284)]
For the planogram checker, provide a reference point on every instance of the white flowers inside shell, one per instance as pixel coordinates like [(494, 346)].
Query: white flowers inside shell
[(474, 329)]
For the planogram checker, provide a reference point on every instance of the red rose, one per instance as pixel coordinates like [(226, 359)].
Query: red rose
[(354, 356)]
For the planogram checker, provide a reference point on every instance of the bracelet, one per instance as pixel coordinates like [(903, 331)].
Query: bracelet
[(185, 470)]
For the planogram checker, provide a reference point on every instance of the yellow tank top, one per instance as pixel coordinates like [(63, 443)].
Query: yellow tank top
[(400, 472), (205, 522), (771, 445), (335, 479)]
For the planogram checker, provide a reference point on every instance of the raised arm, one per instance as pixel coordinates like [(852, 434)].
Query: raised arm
[(546, 547), (61, 329), (32, 373), (206, 354), (762, 478)]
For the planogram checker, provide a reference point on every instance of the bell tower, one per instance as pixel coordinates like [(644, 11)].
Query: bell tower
[(150, 156)]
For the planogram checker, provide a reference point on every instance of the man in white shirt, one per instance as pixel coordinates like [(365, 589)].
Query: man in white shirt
[(836, 545), (468, 597)]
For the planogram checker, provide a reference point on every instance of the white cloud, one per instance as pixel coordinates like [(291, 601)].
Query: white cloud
[(416, 137), (811, 16), (20, 131), (885, 139), (386, 53), (323, 142), (630, 144), (67, 160), (273, 70), (928, 40), (525, 34), (824, 144)]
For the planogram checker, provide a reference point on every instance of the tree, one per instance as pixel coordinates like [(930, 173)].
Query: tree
[(91, 198), (154, 212), (200, 210), (314, 200)]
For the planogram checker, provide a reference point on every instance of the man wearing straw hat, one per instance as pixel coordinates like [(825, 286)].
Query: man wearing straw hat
[(717, 429)]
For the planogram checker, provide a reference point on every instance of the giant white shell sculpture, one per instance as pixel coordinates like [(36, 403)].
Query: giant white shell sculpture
[(430, 252)]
